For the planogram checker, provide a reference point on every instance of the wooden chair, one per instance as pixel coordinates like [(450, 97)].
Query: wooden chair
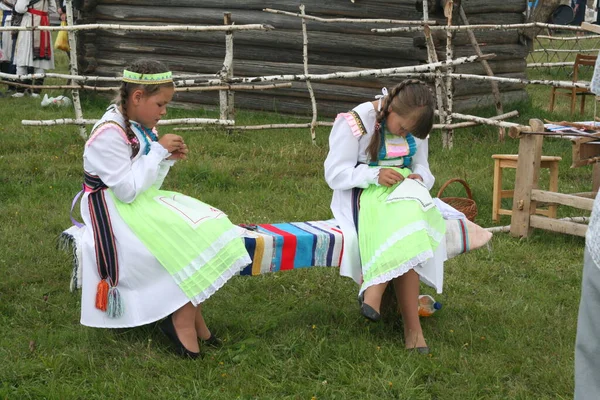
[(580, 60)]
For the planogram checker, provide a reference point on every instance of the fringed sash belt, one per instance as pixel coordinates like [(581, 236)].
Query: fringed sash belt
[(107, 295)]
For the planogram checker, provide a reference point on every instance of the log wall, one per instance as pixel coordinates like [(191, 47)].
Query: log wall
[(332, 47)]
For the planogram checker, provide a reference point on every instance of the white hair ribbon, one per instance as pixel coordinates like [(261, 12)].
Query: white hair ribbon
[(384, 92)]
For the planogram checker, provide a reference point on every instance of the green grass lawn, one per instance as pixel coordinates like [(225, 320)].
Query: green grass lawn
[(506, 331)]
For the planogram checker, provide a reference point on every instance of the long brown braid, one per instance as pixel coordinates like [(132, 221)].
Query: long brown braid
[(410, 98), (141, 67)]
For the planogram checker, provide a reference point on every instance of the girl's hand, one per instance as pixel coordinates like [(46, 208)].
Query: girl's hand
[(415, 176), (180, 154), (171, 142), (389, 177)]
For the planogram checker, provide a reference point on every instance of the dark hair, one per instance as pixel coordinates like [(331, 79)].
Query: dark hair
[(410, 98), (141, 67)]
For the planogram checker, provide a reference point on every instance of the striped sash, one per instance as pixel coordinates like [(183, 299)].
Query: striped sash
[(107, 298)]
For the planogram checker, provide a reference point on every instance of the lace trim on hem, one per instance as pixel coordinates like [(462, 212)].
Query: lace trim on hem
[(238, 265), (401, 234), (399, 271)]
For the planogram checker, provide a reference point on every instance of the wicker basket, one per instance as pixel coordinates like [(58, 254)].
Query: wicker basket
[(466, 206)]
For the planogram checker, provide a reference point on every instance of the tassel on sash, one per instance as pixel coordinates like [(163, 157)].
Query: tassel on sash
[(107, 296)]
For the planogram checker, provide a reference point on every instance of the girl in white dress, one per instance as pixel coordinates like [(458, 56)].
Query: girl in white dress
[(372, 149), (147, 253)]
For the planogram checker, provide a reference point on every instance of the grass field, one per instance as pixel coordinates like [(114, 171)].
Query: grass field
[(506, 331)]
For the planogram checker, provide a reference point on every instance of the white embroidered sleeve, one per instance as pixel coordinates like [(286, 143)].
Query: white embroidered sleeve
[(108, 156), (341, 169)]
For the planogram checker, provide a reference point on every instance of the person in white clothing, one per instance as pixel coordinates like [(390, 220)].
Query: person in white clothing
[(147, 253), (6, 40), (34, 53), (587, 343), (372, 149)]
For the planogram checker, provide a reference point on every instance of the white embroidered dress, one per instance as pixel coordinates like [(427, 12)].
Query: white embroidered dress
[(148, 291), (347, 148)]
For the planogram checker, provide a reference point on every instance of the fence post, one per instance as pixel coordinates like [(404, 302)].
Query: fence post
[(74, 70), (226, 106), (528, 173)]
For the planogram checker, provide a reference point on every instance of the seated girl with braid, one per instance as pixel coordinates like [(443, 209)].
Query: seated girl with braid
[(372, 149), (147, 253)]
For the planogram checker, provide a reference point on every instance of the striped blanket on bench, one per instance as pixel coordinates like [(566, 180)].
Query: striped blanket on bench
[(287, 246), (281, 247)]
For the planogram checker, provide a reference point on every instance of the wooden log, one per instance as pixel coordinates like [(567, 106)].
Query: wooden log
[(260, 101), (555, 225), (264, 44), (498, 66), (461, 38), (496, 18), (250, 55), (357, 9), (331, 8), (201, 16), (502, 51), (466, 103), (484, 6), (475, 87), (527, 175), (139, 28), (165, 48), (545, 196), (305, 17)]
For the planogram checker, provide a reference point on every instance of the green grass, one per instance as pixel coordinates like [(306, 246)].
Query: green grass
[(506, 331)]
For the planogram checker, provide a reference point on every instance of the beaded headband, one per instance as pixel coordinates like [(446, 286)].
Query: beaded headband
[(147, 79)]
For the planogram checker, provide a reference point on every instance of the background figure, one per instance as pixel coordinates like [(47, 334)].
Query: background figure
[(6, 41), (597, 8), (34, 52), (587, 345), (579, 8)]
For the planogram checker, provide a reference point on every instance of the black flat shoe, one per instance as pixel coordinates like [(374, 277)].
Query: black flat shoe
[(212, 341), (167, 327), (369, 312), (366, 310), (420, 350)]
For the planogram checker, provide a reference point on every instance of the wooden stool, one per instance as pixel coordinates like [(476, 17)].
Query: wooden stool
[(502, 161)]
